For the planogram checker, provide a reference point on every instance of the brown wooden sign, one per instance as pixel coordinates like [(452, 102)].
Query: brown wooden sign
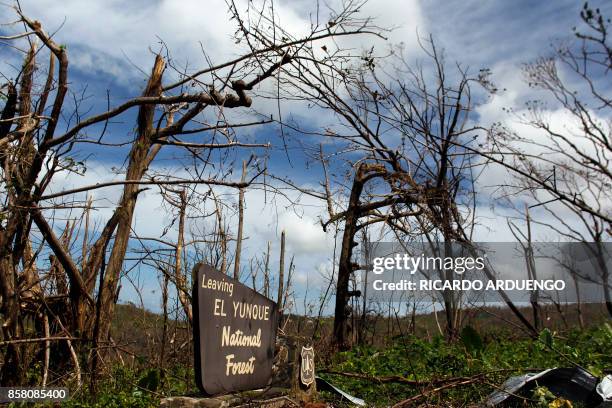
[(234, 333)]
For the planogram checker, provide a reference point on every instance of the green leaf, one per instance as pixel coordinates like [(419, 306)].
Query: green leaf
[(150, 380), (471, 340), (546, 337)]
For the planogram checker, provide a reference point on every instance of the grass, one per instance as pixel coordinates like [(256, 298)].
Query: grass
[(487, 361), (394, 368)]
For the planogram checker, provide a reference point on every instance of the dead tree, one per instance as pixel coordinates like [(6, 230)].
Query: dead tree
[(36, 142), (356, 216), (526, 242), (240, 224), (415, 126), (281, 274), (567, 167)]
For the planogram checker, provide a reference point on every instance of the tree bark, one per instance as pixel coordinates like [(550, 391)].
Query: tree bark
[(240, 224), (281, 274), (179, 276), (345, 264), (140, 157)]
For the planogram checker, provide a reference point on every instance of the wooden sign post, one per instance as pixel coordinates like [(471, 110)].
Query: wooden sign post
[(234, 333)]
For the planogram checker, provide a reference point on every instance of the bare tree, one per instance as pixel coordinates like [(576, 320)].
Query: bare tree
[(526, 242), (38, 134), (410, 127), (565, 168), (240, 224)]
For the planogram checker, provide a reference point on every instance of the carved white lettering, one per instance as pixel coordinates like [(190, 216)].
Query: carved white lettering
[(239, 367)]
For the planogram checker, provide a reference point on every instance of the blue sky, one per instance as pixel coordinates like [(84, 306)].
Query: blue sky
[(110, 43)]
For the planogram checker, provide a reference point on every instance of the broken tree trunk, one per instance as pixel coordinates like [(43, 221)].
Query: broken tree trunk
[(346, 267), (240, 224), (281, 274), (179, 275), (140, 157)]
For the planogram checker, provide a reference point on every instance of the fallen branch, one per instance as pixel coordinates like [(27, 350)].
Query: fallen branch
[(402, 380), (77, 366), (47, 350), (425, 393), (37, 340)]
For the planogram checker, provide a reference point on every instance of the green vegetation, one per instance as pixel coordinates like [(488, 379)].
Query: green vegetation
[(411, 366), (134, 388), (432, 371)]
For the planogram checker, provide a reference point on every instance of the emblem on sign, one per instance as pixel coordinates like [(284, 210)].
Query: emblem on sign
[(307, 372)]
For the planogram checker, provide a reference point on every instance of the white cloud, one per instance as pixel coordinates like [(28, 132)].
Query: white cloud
[(508, 108), (265, 217), (108, 32), (103, 35), (119, 29)]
